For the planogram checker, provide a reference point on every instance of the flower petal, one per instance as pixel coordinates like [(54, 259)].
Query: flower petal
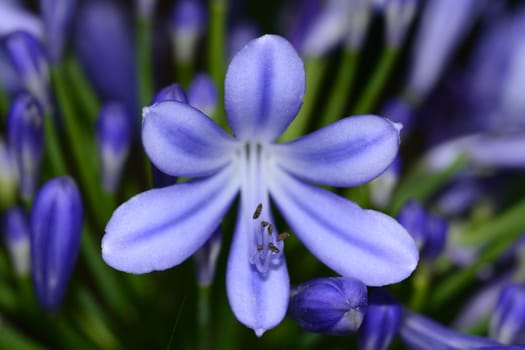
[(264, 88), (354, 242), (258, 301), (160, 228), (181, 141), (349, 152)]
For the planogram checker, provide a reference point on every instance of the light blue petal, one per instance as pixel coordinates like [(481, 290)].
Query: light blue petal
[(181, 141), (264, 88), (346, 153), (259, 302), (161, 228), (354, 242)]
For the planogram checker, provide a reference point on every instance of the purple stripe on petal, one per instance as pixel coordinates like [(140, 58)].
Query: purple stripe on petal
[(182, 141), (354, 242), (161, 228), (264, 88), (349, 152), (259, 301)]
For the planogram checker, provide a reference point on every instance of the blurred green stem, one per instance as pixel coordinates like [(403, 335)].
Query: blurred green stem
[(52, 146), (315, 69), (11, 338), (84, 94), (144, 60), (503, 231), (217, 54), (203, 317), (421, 282), (368, 100), (4, 104), (341, 89), (184, 73)]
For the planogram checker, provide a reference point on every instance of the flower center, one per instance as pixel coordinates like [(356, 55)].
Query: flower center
[(268, 244)]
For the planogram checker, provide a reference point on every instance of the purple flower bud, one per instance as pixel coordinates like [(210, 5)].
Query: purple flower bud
[(206, 259), (16, 238), (27, 58), (113, 134), (381, 321), (106, 50), (329, 305), (507, 324), (399, 111), (202, 94), (14, 18), (429, 231), (8, 176), (25, 132), (56, 224), (419, 332), (398, 15), (188, 23), (173, 92), (57, 15), (360, 13)]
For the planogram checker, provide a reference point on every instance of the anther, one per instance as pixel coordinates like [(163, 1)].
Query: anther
[(282, 236), (270, 229), (273, 248), (257, 212), (264, 223), (259, 247)]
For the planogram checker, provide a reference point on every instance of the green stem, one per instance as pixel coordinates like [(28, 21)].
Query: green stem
[(83, 151), (367, 101), (144, 60), (11, 338), (184, 73), (341, 90), (53, 148), (503, 231), (315, 68), (83, 92), (4, 105), (203, 317), (421, 282), (217, 54)]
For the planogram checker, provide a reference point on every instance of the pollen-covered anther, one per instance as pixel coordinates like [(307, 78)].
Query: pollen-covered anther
[(264, 223), (273, 248), (282, 236), (270, 229), (257, 212)]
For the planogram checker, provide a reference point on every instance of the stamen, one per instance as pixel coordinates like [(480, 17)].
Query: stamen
[(270, 229), (273, 248), (282, 236), (259, 247), (257, 212), (264, 223)]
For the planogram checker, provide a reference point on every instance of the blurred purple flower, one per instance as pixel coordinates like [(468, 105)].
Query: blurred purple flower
[(56, 224), (264, 87), (15, 228), (57, 16)]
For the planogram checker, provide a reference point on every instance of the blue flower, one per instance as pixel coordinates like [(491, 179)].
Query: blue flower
[(264, 86)]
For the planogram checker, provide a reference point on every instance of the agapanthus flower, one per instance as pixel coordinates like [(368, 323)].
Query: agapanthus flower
[(264, 86)]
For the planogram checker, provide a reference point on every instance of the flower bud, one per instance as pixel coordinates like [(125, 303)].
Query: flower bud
[(381, 321), (27, 58), (8, 177), (145, 8), (57, 16), (113, 134), (507, 324), (173, 92), (429, 231), (206, 259), (56, 224), (202, 94), (188, 23), (329, 305), (16, 238), (25, 132)]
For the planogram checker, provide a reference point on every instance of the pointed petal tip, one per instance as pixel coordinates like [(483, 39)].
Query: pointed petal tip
[(259, 332)]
